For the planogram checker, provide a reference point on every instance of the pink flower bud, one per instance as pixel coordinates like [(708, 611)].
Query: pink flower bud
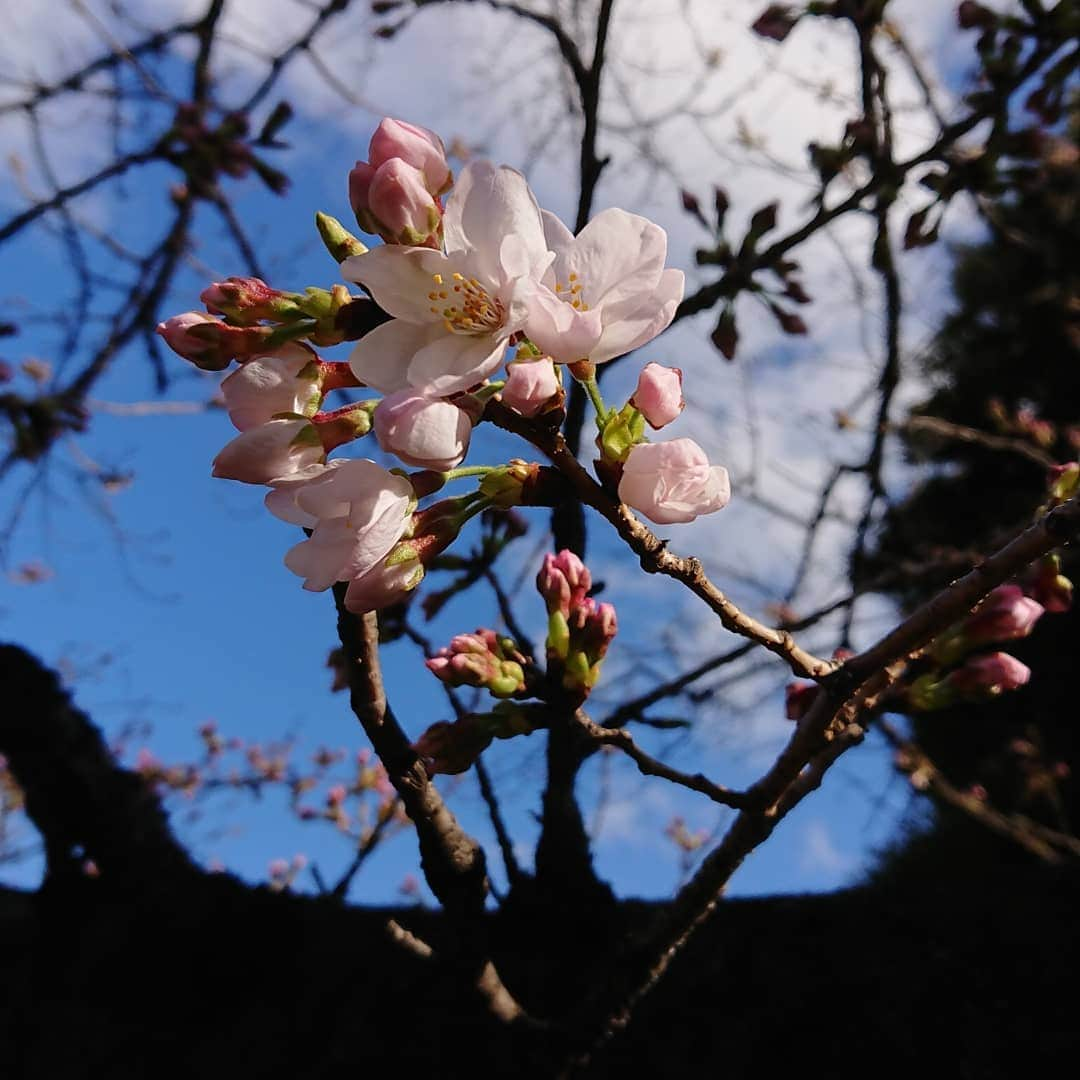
[(278, 868), (987, 676), (244, 300), (416, 146), (360, 186), (177, 334), (343, 425), (530, 385), (658, 396), (401, 209), (1006, 614), (425, 432), (336, 795), (1050, 587), (269, 452), (673, 482), (594, 630), (798, 697), (480, 660), (563, 582), (288, 381), (209, 343)]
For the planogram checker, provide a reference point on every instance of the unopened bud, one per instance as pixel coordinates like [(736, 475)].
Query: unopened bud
[(338, 240), (564, 581), (1049, 586), (246, 301), (344, 425), (506, 486), (987, 676)]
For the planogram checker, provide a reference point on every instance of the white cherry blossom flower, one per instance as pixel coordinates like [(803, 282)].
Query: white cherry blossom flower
[(607, 291), (360, 510), (270, 451), (673, 482), (428, 433), (287, 381), (454, 311)]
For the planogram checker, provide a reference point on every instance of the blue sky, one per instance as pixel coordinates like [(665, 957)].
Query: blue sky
[(178, 578)]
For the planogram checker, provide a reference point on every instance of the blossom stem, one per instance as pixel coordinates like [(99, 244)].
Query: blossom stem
[(479, 504), (488, 390), (467, 470), (592, 388)]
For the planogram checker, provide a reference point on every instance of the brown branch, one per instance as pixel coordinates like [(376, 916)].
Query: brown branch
[(74, 82), (739, 277), (935, 425), (634, 708), (65, 195), (502, 834), (301, 44), (1045, 844), (363, 851), (653, 552), (833, 724), (650, 766), (453, 862)]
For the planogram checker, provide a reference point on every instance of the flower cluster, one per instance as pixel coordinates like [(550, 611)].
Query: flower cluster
[(459, 289), (579, 633)]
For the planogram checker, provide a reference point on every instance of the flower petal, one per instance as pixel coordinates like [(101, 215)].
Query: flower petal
[(559, 330), (381, 358), (453, 362), (400, 279), (615, 256), (487, 204), (634, 328)]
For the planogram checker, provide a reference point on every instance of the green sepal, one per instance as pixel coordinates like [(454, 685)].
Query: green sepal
[(621, 431)]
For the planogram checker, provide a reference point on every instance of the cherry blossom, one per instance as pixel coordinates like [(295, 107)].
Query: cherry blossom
[(287, 381), (530, 385), (425, 432), (673, 482), (399, 207), (658, 396), (384, 584), (397, 140), (454, 312), (606, 292), (270, 451), (361, 511)]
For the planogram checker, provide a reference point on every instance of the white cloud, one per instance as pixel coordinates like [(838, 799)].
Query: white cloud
[(820, 854)]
